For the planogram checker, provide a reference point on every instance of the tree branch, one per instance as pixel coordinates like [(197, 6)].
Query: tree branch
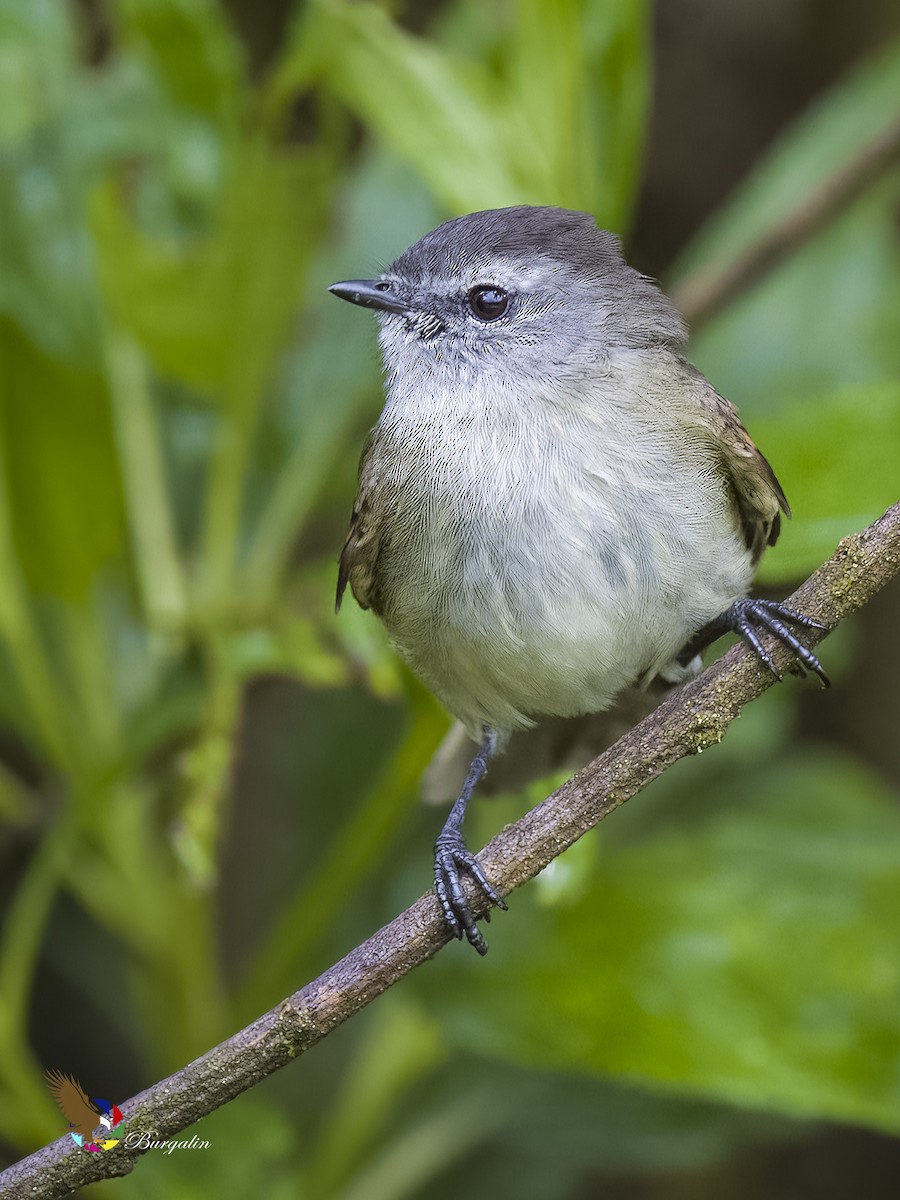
[(709, 290), (689, 720)]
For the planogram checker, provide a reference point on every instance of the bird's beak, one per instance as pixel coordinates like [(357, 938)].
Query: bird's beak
[(371, 293)]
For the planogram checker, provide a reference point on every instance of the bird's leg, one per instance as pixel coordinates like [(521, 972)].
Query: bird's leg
[(748, 618), (452, 856)]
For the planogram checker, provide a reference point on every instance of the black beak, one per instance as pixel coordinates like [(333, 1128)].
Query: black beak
[(370, 293)]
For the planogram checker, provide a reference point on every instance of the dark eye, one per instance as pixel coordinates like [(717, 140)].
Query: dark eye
[(488, 302)]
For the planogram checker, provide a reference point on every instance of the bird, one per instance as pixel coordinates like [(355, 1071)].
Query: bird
[(81, 1112), (554, 505)]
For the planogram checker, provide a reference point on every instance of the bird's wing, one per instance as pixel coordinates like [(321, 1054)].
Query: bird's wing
[(360, 552), (757, 492), (73, 1102)]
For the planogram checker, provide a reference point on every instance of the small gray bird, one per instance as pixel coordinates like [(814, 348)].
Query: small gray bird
[(554, 504)]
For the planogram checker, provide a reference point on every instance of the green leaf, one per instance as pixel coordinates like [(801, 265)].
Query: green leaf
[(829, 316), (546, 107), (191, 48), (837, 459), (578, 85), (65, 493), (438, 112), (749, 952), (35, 44), (214, 313)]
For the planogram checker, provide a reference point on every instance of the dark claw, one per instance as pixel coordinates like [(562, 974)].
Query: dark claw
[(748, 633), (747, 617), (451, 857)]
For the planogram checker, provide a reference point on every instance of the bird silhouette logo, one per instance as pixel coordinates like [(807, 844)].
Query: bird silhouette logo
[(85, 1115)]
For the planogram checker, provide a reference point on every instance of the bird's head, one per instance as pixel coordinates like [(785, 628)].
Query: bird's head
[(526, 291)]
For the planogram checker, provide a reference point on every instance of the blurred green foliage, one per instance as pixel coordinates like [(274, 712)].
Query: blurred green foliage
[(180, 413)]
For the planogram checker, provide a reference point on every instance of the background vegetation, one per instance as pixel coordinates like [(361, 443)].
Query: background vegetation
[(208, 785)]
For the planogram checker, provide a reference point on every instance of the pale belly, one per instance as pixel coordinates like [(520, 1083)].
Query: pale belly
[(528, 601)]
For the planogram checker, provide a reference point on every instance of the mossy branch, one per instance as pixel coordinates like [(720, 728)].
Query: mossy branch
[(689, 720)]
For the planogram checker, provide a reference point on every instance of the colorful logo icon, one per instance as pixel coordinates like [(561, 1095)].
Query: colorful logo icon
[(86, 1116)]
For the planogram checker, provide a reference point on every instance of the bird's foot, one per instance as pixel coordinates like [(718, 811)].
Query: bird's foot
[(748, 618), (451, 857)]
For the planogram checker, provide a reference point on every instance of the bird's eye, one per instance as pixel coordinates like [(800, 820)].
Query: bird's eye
[(488, 302)]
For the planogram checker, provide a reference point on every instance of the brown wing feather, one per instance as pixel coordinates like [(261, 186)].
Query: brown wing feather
[(757, 492), (74, 1104), (357, 562), (360, 552)]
